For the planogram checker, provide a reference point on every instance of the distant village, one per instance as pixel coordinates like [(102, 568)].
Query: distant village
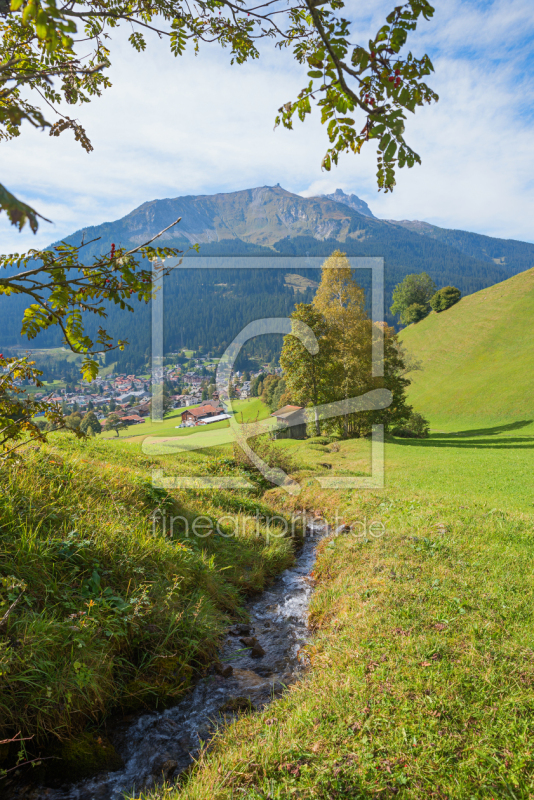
[(129, 396)]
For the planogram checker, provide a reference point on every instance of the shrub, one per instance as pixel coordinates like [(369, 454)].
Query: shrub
[(266, 449), (415, 313), (416, 427), (445, 298)]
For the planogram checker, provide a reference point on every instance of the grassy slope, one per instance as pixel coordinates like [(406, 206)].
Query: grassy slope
[(113, 612), (422, 661), (478, 357), (149, 428), (251, 409)]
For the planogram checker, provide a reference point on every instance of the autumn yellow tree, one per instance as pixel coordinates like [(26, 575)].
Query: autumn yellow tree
[(342, 368), (342, 304)]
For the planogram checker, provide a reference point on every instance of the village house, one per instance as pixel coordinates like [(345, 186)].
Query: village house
[(137, 395), (187, 400), (142, 410), (194, 415)]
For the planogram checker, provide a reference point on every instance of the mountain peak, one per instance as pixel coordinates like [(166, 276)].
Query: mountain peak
[(262, 215), (352, 201)]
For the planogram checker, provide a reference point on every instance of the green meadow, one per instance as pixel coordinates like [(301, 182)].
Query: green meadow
[(422, 655), (422, 650), (477, 358), (491, 466)]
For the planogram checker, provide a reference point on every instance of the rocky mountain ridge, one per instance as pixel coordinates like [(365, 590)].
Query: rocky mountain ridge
[(264, 216)]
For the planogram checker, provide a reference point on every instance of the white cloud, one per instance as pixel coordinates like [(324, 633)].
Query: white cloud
[(476, 143), (172, 127)]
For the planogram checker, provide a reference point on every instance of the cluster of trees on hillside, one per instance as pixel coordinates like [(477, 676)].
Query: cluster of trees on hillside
[(87, 424), (342, 367), (272, 390), (416, 295)]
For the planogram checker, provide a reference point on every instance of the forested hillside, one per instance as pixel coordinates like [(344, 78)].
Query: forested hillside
[(208, 307), (504, 252)]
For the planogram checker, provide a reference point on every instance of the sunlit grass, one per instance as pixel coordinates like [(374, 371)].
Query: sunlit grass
[(105, 592), (421, 672)]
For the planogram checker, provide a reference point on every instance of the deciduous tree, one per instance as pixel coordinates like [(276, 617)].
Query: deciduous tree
[(114, 423), (411, 297), (307, 375), (90, 421), (342, 369), (341, 301)]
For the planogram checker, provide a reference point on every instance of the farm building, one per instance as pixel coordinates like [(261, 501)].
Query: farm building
[(291, 422), (194, 415)]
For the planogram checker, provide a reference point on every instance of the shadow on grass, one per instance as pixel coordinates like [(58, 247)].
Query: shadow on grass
[(512, 426), (454, 439)]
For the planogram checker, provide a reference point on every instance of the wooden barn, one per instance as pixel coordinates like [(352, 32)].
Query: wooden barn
[(291, 422)]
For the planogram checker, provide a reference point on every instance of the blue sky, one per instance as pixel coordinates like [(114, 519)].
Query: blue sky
[(197, 125)]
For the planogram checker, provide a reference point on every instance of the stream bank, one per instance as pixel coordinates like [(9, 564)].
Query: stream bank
[(257, 661)]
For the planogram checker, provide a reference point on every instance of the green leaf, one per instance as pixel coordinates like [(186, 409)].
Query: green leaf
[(384, 142), (390, 152), (315, 73), (89, 369), (18, 213), (41, 25)]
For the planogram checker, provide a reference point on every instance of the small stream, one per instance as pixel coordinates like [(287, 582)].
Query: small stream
[(258, 660)]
